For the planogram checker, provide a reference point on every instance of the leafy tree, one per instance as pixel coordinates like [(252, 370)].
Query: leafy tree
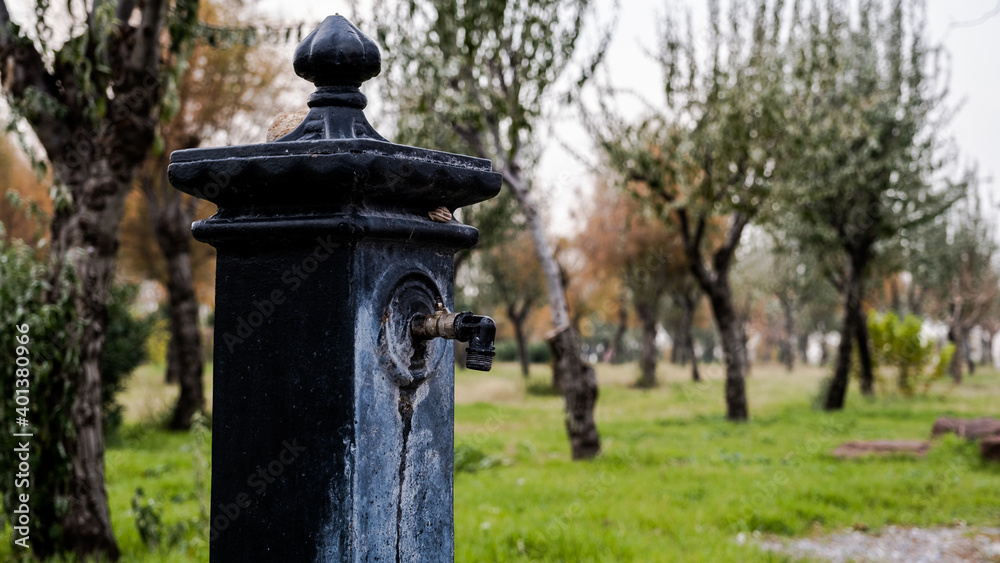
[(642, 255), (514, 281), (753, 297), (954, 265), (686, 296), (95, 103), (616, 347), (788, 285), (480, 71), (220, 86), (708, 158), (799, 281), (864, 142)]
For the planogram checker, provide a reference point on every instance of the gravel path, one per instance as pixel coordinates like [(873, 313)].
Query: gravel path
[(893, 544)]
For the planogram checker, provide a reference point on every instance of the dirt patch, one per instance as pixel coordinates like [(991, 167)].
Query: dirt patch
[(893, 544)]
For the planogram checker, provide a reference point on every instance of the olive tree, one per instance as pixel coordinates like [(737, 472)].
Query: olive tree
[(94, 103), (706, 161), (864, 148), (476, 75)]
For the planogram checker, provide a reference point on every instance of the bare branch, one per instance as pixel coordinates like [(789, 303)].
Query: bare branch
[(592, 167), (724, 255), (516, 183), (23, 70), (124, 10), (146, 54), (4, 24), (92, 16), (980, 20), (699, 233), (472, 138), (148, 190), (692, 247)]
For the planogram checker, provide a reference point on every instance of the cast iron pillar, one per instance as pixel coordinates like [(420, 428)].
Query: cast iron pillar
[(333, 404)]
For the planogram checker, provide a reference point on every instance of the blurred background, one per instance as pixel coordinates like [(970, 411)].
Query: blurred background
[(762, 230)]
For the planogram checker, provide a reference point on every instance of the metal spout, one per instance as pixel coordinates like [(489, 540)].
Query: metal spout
[(478, 330)]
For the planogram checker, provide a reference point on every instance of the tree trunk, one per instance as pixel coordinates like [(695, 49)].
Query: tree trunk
[(679, 353), (864, 354), (689, 304), (803, 344), (185, 338), (733, 348), (956, 335), (837, 389), (913, 305), (95, 157), (695, 375), (895, 300), (570, 374), (616, 354), (647, 362), (171, 220), (956, 332), (788, 342), (85, 237), (968, 353), (987, 356), (579, 392), (173, 357), (716, 285), (517, 319)]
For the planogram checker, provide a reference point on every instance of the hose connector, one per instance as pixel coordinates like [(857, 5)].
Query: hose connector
[(478, 330)]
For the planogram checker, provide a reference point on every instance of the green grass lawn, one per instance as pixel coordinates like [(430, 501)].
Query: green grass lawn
[(676, 481)]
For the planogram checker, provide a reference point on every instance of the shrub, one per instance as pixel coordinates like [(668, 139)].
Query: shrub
[(506, 351), (32, 294), (898, 343), (26, 282), (539, 353), (159, 338)]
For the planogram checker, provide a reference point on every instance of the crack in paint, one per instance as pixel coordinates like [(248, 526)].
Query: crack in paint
[(406, 396)]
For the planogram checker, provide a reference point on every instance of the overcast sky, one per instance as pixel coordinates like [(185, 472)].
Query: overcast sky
[(970, 37)]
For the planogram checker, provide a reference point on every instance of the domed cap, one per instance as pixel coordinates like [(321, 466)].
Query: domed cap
[(337, 54)]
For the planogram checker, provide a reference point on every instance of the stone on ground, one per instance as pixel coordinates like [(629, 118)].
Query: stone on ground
[(989, 448), (971, 428), (881, 447)]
